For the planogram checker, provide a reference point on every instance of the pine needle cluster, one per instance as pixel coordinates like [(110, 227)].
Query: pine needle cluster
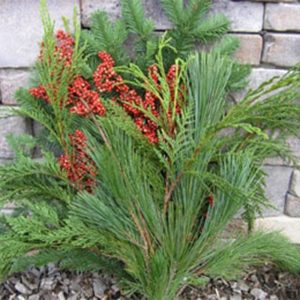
[(156, 211)]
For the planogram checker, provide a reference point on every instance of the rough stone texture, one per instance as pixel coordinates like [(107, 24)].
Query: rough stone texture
[(295, 183), (250, 48), (294, 144), (112, 7), (292, 206), (287, 225), (244, 15), (282, 17), (275, 1), (4, 161), (10, 81), (281, 49), (10, 124), (21, 29), (277, 184), (256, 78)]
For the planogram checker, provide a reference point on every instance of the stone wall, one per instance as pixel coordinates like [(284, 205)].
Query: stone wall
[(269, 33)]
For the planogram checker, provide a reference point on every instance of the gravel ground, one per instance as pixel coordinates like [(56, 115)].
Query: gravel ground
[(50, 283)]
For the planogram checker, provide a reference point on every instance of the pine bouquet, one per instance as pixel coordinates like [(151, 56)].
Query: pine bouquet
[(144, 160)]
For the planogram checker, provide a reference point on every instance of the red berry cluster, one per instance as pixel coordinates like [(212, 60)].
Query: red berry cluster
[(83, 100), (107, 80), (78, 165), (171, 79), (39, 92), (63, 48)]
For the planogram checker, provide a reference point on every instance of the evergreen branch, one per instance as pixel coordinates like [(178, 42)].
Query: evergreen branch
[(211, 29), (174, 10), (27, 178), (134, 17), (231, 259)]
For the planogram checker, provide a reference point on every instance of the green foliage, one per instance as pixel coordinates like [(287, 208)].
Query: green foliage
[(27, 179), (104, 36), (231, 259), (190, 27), (134, 17), (157, 211)]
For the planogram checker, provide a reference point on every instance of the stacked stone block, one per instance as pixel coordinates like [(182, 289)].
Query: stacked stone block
[(269, 34)]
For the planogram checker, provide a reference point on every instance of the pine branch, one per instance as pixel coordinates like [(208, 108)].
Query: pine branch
[(212, 28), (105, 36), (231, 259), (174, 10), (134, 17)]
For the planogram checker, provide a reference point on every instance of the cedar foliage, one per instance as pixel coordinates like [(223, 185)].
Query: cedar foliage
[(148, 219)]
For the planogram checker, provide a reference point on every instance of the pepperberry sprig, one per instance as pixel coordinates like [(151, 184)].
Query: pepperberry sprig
[(152, 110), (63, 90), (165, 92), (79, 166)]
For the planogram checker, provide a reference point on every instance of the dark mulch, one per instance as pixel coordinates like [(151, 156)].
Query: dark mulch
[(50, 283), (262, 284)]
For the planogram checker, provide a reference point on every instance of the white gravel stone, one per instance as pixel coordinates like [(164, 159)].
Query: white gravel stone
[(61, 296), (34, 297), (259, 294), (22, 288), (99, 288)]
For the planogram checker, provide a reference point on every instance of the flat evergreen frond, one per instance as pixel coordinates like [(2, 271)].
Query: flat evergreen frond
[(49, 237), (26, 179), (77, 259), (231, 259), (212, 28), (35, 110), (10, 249)]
